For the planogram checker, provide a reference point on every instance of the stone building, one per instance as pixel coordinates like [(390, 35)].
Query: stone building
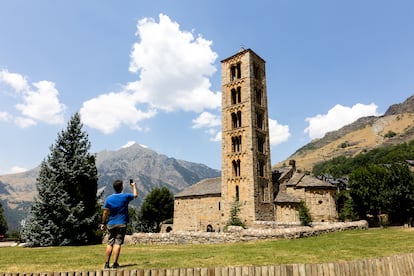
[(246, 167)]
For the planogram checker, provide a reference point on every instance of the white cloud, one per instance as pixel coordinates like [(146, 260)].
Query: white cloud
[(278, 133), (39, 102), (5, 116), (217, 138), (16, 81), (24, 122), (108, 112), (211, 122), (173, 69), (43, 104), (337, 117), (206, 119)]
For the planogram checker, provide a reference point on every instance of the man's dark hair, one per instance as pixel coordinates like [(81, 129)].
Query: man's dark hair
[(118, 186)]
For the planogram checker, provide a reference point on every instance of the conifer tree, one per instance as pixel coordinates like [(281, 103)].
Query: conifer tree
[(3, 222), (65, 210)]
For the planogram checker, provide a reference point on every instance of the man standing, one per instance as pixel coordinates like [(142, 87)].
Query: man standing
[(116, 211)]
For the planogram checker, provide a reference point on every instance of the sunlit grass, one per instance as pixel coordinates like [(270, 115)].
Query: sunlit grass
[(333, 247)]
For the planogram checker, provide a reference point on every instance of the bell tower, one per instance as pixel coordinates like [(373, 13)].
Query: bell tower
[(246, 168)]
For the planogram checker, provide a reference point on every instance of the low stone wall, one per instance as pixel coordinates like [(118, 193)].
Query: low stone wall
[(238, 234)]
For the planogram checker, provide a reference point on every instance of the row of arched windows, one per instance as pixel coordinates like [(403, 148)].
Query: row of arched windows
[(236, 143), (235, 72), (236, 119), (236, 96), (261, 168)]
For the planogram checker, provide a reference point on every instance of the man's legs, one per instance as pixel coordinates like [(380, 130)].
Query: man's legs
[(117, 250), (108, 253)]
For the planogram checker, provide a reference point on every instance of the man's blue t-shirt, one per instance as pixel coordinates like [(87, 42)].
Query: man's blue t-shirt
[(118, 208)]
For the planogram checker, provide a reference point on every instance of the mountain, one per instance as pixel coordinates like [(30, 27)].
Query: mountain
[(396, 126), (150, 168)]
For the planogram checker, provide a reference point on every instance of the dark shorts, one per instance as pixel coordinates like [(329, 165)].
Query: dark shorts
[(116, 234)]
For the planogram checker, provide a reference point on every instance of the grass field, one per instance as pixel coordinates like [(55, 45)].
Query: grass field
[(333, 247)]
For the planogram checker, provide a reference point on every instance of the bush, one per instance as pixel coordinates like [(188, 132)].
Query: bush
[(304, 214)]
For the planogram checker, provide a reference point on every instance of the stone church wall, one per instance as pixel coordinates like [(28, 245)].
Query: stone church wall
[(197, 213)]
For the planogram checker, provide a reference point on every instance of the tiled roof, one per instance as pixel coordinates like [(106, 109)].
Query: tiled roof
[(283, 197), (309, 181), (208, 186)]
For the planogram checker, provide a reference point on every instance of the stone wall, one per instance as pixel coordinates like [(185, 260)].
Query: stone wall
[(237, 234), (195, 214), (321, 204)]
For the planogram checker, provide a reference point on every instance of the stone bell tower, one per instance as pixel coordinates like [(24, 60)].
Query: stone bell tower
[(246, 168)]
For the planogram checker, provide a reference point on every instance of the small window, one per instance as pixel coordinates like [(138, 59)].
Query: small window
[(236, 167), (235, 72), (260, 168), (260, 144), (236, 95), (236, 143), (259, 118), (258, 96)]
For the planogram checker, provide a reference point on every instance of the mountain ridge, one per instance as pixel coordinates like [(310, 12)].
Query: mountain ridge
[(148, 168), (395, 126)]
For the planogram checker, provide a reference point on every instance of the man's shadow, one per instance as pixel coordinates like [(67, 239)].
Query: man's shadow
[(127, 265)]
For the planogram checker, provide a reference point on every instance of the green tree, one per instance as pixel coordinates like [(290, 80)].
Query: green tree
[(157, 207), (304, 214), (3, 222), (234, 219), (386, 189), (65, 210)]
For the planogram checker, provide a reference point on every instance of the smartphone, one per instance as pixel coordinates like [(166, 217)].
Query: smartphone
[(131, 181)]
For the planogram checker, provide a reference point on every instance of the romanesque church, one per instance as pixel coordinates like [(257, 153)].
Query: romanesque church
[(264, 196)]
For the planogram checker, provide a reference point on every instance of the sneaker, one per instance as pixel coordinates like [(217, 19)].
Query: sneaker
[(106, 266), (115, 266)]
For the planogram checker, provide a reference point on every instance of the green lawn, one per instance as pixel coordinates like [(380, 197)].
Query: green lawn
[(333, 247)]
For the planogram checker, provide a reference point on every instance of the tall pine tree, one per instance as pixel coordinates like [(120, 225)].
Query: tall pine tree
[(65, 210), (3, 222)]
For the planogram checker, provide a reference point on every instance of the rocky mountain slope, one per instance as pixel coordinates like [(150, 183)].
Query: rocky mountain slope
[(150, 168), (396, 126)]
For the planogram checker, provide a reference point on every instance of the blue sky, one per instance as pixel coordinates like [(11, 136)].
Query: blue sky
[(149, 72)]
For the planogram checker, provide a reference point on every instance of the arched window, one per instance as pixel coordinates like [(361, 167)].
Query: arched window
[(259, 96), (237, 193), (259, 118), (260, 144), (236, 95), (233, 96), (235, 72), (236, 167), (239, 118), (236, 143), (236, 119), (260, 168)]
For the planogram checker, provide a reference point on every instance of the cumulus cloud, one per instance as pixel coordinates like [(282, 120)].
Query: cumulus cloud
[(38, 102), (108, 112), (278, 133), (211, 122), (173, 68), (206, 119), (14, 80), (337, 117)]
